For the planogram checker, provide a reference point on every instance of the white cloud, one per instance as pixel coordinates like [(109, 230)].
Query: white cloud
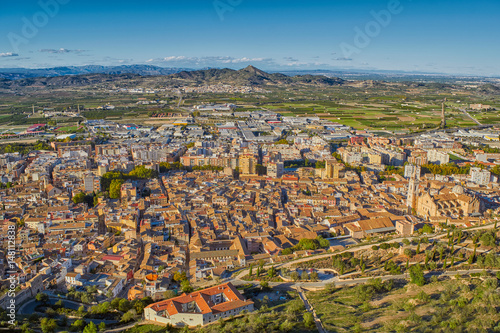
[(8, 54), (61, 51), (212, 61)]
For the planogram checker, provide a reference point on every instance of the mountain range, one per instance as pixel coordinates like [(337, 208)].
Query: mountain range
[(249, 76), (23, 73)]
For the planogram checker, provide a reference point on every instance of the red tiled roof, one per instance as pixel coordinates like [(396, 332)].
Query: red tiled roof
[(203, 300)]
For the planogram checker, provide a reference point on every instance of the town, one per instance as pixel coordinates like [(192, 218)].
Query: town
[(134, 212)]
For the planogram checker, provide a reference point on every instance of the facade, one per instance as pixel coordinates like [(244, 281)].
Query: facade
[(332, 169), (248, 165), (438, 157), (411, 169), (480, 176), (413, 184), (452, 204), (275, 169), (199, 308)]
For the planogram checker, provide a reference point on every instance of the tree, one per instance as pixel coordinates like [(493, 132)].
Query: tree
[(417, 275), (102, 326), (427, 229), (143, 172), (294, 276), (384, 246), (48, 325), (42, 298), (408, 253), (186, 286), (250, 271), (264, 285), (309, 320), (124, 305), (115, 188), (79, 198), (115, 303), (314, 276), (304, 276), (271, 272), (90, 328), (180, 276), (128, 316), (78, 325)]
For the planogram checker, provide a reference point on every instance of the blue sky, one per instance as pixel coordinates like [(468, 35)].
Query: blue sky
[(458, 37)]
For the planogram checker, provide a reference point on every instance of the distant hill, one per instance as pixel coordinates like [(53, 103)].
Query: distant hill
[(123, 75), (251, 76), (66, 81), (146, 70)]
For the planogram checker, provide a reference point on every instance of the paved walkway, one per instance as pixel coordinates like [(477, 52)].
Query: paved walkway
[(309, 308)]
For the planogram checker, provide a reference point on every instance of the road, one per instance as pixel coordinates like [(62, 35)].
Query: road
[(238, 279), (469, 116), (29, 307)]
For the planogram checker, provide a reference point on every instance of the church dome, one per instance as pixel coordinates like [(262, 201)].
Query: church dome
[(458, 190)]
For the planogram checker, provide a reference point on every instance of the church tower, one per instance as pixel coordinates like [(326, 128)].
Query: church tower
[(412, 196)]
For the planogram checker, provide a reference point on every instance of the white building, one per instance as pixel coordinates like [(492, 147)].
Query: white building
[(480, 176), (438, 157)]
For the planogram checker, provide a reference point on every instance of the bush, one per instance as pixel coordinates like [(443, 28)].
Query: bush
[(374, 247), (384, 246), (309, 320), (408, 253), (417, 275)]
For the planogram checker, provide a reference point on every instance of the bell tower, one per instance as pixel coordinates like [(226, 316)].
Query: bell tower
[(412, 195)]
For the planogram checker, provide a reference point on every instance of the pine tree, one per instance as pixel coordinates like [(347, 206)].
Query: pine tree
[(250, 273)]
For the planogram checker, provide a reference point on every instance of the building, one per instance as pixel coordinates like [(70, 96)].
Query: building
[(91, 183), (332, 169), (438, 157), (411, 169), (199, 308), (275, 169), (36, 128), (413, 184), (452, 204), (248, 165), (480, 176)]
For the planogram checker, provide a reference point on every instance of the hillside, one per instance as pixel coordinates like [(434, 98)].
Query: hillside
[(249, 76), (24, 73)]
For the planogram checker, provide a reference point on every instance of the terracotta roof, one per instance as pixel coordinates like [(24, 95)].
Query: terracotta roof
[(203, 301)]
